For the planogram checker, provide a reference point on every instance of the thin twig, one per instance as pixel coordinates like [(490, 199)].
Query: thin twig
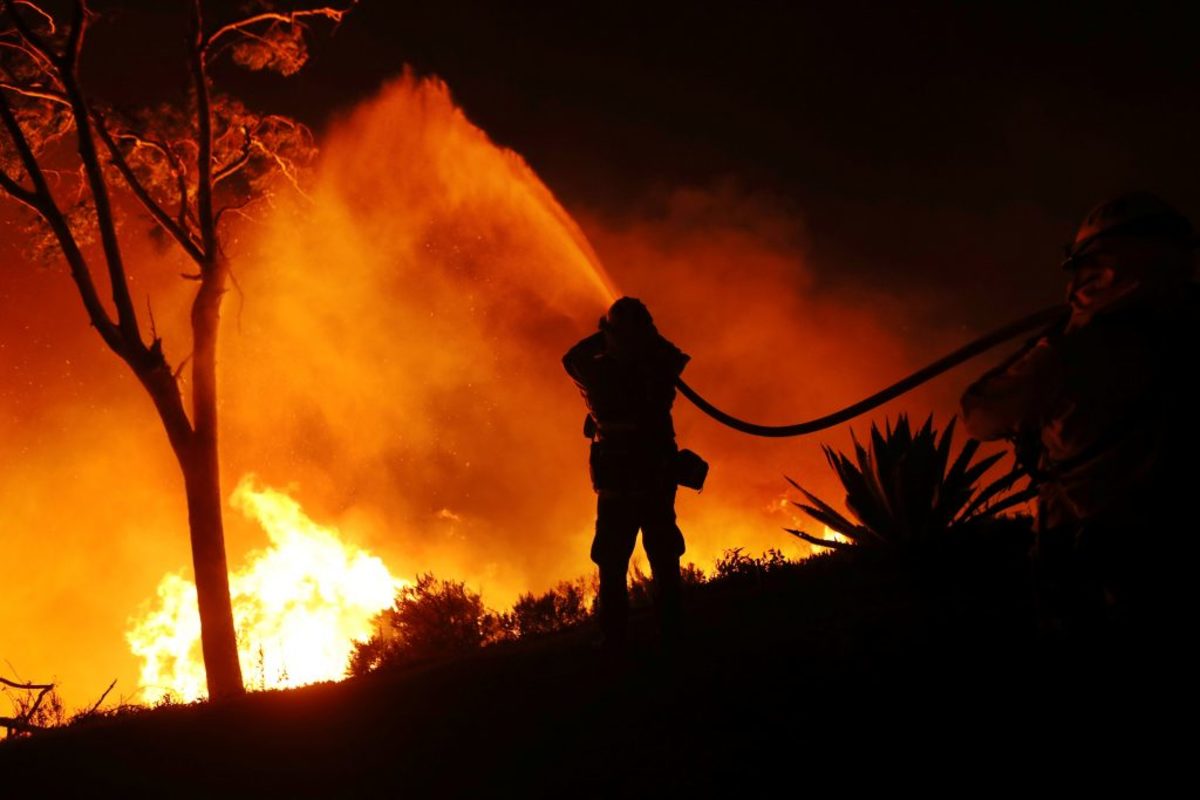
[(290, 17), (36, 42), (179, 370), (25, 686), (92, 710), (36, 93), (239, 162), (177, 231), (34, 7), (150, 314)]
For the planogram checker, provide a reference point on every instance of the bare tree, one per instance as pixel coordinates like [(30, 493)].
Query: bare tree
[(186, 165), (29, 713)]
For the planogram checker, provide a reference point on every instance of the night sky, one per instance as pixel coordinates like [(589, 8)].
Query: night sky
[(942, 148), (947, 147)]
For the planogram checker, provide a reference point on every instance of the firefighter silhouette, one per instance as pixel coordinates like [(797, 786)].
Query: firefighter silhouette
[(1102, 408), (626, 372)]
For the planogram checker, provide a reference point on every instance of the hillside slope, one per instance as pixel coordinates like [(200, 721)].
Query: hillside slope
[(801, 668)]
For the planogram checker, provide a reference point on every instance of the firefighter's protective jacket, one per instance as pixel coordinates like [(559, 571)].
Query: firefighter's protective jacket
[(1110, 406), (630, 401)]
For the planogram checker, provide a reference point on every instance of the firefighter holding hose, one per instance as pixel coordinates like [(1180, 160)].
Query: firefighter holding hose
[(626, 372), (1102, 408)]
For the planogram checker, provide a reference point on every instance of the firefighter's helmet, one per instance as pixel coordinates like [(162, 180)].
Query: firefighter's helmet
[(628, 314), (1131, 214)]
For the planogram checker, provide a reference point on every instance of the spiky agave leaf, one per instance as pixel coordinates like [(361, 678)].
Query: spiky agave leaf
[(959, 467), (867, 500), (979, 505), (962, 488), (1005, 504), (956, 489), (944, 444), (900, 489), (976, 470), (808, 537), (823, 513), (862, 492), (917, 481)]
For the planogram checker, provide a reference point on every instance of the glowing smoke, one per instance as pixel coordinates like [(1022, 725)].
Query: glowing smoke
[(395, 356)]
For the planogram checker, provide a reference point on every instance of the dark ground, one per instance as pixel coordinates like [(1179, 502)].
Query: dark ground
[(833, 670)]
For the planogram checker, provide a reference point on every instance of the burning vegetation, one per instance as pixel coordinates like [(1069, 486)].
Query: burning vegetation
[(298, 606), (391, 352)]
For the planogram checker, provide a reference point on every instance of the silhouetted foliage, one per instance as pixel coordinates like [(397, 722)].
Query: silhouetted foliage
[(431, 619), (904, 490), (34, 706), (736, 565), (435, 619), (37, 707), (691, 575), (641, 585), (564, 606)]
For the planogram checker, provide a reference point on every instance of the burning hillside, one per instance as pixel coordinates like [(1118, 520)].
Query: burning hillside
[(298, 606), (392, 353)]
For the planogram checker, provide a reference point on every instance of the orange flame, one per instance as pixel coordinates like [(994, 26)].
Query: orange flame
[(298, 606), (395, 350)]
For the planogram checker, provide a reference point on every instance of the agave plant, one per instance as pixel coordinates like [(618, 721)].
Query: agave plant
[(903, 489)]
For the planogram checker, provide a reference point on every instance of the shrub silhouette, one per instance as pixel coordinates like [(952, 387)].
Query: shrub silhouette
[(903, 490), (34, 707), (734, 565), (562, 607), (430, 619), (438, 619)]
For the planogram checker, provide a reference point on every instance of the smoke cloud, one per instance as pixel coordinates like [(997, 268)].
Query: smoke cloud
[(392, 360)]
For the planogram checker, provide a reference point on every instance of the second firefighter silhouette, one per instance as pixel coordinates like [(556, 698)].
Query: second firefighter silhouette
[(1104, 407), (626, 373)]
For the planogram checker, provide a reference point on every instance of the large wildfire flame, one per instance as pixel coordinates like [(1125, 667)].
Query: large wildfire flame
[(298, 606), (394, 350)]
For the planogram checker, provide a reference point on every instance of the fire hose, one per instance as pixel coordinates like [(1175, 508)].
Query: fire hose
[(1046, 317)]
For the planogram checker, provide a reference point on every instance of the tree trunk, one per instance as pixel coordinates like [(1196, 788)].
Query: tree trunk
[(218, 637), (197, 457), (202, 477)]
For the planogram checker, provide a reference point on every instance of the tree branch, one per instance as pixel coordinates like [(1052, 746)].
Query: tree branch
[(173, 227), (182, 365), (40, 12), (93, 709), (19, 192), (79, 18), (236, 209), (140, 140), (204, 142), (25, 686), (290, 17), (154, 373), (22, 722), (11, 39), (53, 216), (239, 162), (105, 221), (38, 45), (286, 169), (36, 93), (177, 228)]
